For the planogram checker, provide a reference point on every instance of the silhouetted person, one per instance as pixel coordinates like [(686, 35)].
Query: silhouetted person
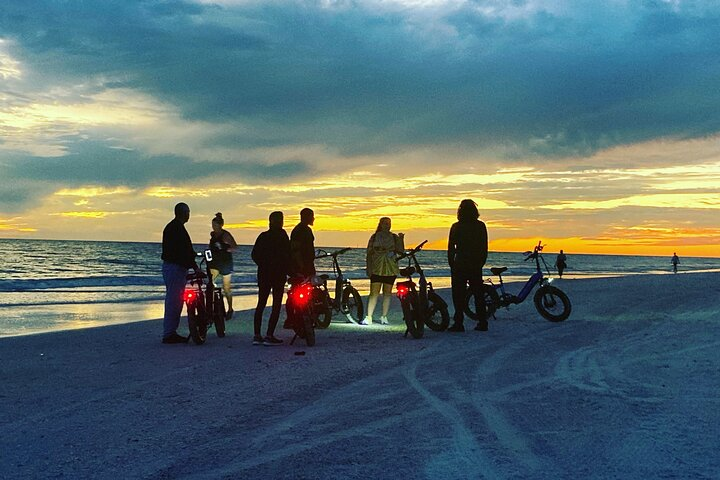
[(222, 245), (271, 253), (675, 260), (178, 256), (467, 254), (382, 267), (561, 263), (302, 245)]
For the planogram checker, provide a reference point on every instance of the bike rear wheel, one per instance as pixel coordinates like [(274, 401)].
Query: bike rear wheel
[(352, 303), (438, 317), (491, 300), (552, 303), (309, 327), (197, 324)]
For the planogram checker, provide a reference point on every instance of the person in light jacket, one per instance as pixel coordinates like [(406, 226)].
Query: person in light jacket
[(382, 267)]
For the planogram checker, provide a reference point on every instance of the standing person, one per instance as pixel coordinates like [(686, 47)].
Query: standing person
[(302, 245), (561, 263), (271, 253), (382, 267), (222, 244), (467, 254), (675, 260), (178, 256)]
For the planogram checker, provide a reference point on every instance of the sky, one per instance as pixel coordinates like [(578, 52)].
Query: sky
[(593, 126)]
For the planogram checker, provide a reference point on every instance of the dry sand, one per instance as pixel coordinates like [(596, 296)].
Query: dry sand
[(626, 388)]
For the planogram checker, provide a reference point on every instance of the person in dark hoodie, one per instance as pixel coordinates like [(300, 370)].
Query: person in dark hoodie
[(467, 254), (271, 253)]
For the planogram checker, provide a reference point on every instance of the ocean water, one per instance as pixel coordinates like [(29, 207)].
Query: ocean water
[(50, 285)]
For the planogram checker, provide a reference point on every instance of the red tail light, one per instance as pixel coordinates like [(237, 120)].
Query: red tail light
[(402, 290), (189, 295), (301, 294)]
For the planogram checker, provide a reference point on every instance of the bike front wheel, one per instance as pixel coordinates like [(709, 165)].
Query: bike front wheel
[(325, 312), (352, 303), (552, 303), (219, 315), (491, 300), (438, 317), (415, 325), (197, 324)]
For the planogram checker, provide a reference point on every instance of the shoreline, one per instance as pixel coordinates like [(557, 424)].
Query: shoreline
[(98, 314)]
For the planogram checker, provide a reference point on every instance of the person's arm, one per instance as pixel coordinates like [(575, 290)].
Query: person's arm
[(257, 253), (399, 242), (483, 244), (229, 240), (368, 255), (296, 253), (451, 247)]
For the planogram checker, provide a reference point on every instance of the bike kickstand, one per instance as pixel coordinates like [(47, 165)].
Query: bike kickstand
[(293, 340)]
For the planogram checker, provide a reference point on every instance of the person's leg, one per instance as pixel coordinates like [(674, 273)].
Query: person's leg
[(372, 300), (227, 291), (458, 283), (475, 283), (263, 293), (278, 290), (174, 277), (387, 298)]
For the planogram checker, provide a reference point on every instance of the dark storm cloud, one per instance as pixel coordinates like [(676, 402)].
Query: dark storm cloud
[(547, 83)]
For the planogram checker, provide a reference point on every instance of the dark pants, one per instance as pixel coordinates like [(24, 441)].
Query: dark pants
[(277, 287), (459, 282)]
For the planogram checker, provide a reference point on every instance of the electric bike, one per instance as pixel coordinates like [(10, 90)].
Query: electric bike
[(551, 302), (305, 301), (420, 304), (347, 300), (204, 302)]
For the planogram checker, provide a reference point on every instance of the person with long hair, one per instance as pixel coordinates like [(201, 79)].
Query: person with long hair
[(467, 254), (382, 267), (222, 244)]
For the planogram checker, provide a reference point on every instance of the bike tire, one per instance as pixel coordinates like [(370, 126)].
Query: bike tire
[(414, 324), (438, 317), (324, 317), (219, 314), (491, 300), (552, 303), (309, 327), (195, 325), (352, 303)]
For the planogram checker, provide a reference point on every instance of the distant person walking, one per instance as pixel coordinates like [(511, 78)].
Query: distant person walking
[(271, 253), (178, 256), (561, 263), (382, 267), (222, 245), (675, 260), (467, 254), (302, 245)]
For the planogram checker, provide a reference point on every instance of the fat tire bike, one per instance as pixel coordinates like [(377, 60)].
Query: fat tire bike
[(305, 301), (204, 303), (347, 299), (551, 302), (420, 304)]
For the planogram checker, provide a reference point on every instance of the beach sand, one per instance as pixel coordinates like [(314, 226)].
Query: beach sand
[(628, 387)]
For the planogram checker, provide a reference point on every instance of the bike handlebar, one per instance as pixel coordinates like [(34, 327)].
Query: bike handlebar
[(412, 251), (322, 253)]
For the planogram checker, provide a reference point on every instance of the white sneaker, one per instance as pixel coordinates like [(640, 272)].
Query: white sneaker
[(383, 320), (366, 321)]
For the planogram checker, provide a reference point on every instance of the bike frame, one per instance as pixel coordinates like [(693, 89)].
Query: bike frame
[(423, 285), (340, 281), (536, 278)]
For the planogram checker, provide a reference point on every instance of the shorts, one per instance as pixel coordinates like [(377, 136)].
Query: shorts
[(225, 268), (384, 279)]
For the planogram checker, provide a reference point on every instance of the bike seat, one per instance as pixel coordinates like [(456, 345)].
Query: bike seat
[(296, 280), (498, 270), (324, 276), (407, 271), (195, 276)]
